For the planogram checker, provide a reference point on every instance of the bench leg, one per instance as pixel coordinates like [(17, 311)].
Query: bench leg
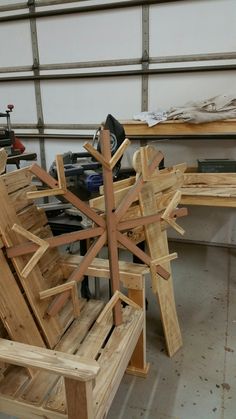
[(138, 365), (79, 399)]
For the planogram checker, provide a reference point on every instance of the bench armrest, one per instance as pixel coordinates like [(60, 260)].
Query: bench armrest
[(70, 366)]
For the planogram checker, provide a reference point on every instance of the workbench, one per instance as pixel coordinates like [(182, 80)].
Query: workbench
[(170, 129), (221, 191)]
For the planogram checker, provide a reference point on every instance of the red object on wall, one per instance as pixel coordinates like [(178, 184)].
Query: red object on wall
[(17, 145)]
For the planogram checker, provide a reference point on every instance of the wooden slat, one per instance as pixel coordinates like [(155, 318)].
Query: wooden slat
[(14, 311), (100, 268), (46, 360), (32, 218), (115, 358), (165, 182), (210, 201), (39, 386), (19, 198), (3, 160), (138, 363), (15, 378), (79, 398), (210, 179), (90, 347), (120, 184), (42, 248), (158, 247), (119, 153), (16, 180), (180, 128), (23, 410)]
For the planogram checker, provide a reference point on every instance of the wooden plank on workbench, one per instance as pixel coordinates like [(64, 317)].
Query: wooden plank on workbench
[(137, 128), (209, 179), (210, 201)]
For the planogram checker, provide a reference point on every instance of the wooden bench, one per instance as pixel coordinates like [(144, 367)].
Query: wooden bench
[(68, 365)]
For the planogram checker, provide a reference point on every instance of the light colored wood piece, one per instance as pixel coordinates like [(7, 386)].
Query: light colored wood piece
[(134, 191), (79, 397), (40, 386), (61, 189), (14, 311), (68, 286), (112, 302), (158, 247), (111, 224), (119, 153), (166, 258), (138, 365), (26, 411), (120, 184), (163, 182), (61, 172), (209, 179), (98, 156), (130, 273), (210, 201), (166, 216), (18, 179), (180, 128), (43, 246), (35, 283), (121, 346), (57, 290), (3, 160), (44, 359)]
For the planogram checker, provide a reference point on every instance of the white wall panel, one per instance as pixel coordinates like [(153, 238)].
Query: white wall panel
[(188, 27), (15, 45), (176, 89), (22, 96), (209, 224), (89, 101), (7, 2), (88, 37), (179, 151)]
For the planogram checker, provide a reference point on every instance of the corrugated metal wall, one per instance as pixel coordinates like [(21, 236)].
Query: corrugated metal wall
[(65, 71)]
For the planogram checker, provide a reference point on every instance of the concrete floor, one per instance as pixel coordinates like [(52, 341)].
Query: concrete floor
[(199, 382)]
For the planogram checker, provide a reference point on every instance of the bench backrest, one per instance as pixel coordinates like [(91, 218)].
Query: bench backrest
[(16, 208)]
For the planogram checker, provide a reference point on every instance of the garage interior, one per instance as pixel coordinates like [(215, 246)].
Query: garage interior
[(136, 240)]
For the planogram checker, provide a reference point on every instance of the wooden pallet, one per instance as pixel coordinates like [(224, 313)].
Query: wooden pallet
[(68, 365)]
